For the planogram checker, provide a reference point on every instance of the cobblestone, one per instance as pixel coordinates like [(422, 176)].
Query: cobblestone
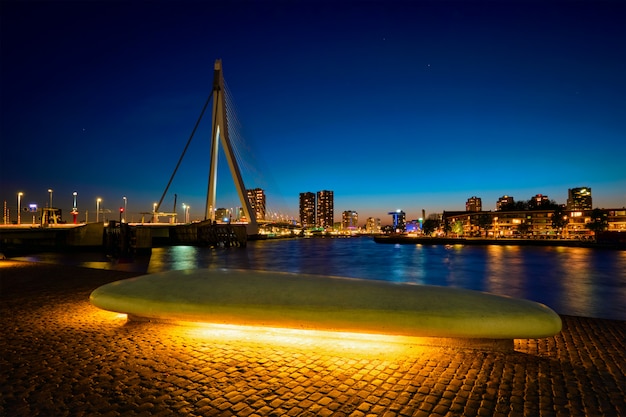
[(60, 356)]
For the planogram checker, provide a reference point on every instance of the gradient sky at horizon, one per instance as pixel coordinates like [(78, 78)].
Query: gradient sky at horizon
[(390, 104)]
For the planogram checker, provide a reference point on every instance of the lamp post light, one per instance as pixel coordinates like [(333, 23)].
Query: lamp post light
[(125, 203), (19, 207), (186, 209), (49, 215), (98, 200), (154, 215), (74, 207)]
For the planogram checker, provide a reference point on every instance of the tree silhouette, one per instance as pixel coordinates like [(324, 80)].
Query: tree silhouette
[(599, 221), (559, 219), (523, 228), (484, 222)]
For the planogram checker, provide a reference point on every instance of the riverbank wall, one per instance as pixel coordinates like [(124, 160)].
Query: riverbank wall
[(572, 243)]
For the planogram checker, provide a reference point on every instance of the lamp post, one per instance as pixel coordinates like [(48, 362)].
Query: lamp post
[(98, 200), (125, 202), (19, 207), (154, 215), (49, 212), (186, 209), (74, 208)]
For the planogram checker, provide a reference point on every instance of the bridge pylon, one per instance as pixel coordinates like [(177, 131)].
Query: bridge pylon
[(219, 133)]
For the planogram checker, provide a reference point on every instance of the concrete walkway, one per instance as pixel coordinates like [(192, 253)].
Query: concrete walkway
[(60, 356)]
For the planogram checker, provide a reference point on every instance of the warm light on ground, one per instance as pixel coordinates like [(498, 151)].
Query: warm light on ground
[(342, 341), (274, 336)]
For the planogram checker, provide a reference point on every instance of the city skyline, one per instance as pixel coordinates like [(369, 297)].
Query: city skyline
[(258, 200), (392, 105)]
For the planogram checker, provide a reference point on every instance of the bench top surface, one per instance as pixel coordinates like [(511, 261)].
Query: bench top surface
[(305, 301)]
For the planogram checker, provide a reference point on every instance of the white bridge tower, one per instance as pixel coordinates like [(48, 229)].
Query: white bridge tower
[(219, 133)]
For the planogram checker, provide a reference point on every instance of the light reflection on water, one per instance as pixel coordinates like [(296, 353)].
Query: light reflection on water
[(573, 281)]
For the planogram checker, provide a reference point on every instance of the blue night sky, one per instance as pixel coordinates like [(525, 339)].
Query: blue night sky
[(392, 105)]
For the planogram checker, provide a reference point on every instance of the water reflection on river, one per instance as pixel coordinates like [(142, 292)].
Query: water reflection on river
[(574, 281)]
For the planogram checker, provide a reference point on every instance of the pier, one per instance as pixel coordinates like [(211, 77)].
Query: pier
[(119, 239)]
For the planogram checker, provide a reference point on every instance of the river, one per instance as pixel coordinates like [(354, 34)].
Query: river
[(572, 281)]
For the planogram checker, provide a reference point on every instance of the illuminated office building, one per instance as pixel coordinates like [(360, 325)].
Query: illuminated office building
[(307, 209), (579, 198), (256, 197), (474, 204), (399, 220), (325, 209), (349, 220)]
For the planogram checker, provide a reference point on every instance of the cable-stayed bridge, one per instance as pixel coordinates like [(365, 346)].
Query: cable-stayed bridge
[(224, 127), (122, 239)]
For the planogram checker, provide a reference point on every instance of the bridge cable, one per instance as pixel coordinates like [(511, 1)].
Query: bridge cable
[(206, 104)]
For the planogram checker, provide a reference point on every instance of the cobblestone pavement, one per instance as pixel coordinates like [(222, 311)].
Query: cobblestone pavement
[(60, 356)]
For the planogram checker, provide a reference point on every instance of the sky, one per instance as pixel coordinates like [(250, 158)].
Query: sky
[(392, 105)]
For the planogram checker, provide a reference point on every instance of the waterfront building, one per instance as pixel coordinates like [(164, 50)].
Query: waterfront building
[(579, 198), (531, 223), (507, 223), (502, 223), (372, 225), (349, 220), (414, 226), (617, 220), (325, 209), (256, 197), (474, 204), (307, 209), (576, 223), (504, 201), (399, 221)]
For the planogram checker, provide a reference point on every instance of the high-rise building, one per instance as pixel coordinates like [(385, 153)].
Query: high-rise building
[(325, 209), (399, 220), (256, 197), (307, 209), (349, 220), (579, 198), (474, 204), (505, 200)]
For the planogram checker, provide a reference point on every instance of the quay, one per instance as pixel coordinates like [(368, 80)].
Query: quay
[(609, 243), (61, 356), (118, 239)]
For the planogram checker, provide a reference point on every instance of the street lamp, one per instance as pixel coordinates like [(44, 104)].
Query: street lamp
[(98, 200), (50, 192), (74, 208), (125, 202), (19, 207), (154, 215), (186, 209)]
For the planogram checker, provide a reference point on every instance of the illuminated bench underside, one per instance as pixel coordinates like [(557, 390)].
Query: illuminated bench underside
[(326, 303)]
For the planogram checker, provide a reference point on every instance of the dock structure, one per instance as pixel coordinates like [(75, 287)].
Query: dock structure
[(209, 233), (119, 239)]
